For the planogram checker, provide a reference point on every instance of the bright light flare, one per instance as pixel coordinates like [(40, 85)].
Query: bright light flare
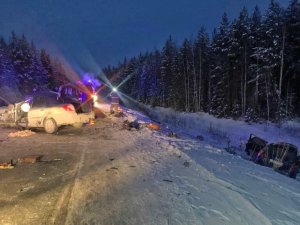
[(25, 107), (95, 97), (114, 89)]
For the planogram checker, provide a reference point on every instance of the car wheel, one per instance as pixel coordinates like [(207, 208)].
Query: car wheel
[(77, 125), (86, 107), (50, 126)]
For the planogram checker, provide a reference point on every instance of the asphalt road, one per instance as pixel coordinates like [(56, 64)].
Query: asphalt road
[(40, 193)]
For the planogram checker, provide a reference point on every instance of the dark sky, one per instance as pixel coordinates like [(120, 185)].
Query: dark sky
[(93, 33)]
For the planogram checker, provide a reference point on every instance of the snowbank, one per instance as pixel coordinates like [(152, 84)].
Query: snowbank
[(223, 132)]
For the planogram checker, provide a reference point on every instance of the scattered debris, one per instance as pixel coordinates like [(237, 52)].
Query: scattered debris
[(187, 164), (23, 133), (50, 160), (9, 165), (92, 122), (30, 159), (24, 189), (126, 125), (172, 135), (231, 150), (114, 168), (27, 159), (166, 180), (153, 126), (200, 138), (129, 125), (119, 114)]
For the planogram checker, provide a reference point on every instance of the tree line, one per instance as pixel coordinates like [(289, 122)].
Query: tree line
[(25, 69), (248, 67)]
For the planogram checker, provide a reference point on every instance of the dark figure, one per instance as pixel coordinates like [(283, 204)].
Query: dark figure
[(114, 102)]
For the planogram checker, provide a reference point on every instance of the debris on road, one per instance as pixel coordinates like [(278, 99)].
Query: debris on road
[(129, 125), (114, 168), (187, 164), (92, 122), (200, 138), (6, 165), (30, 159), (172, 135), (23, 133), (166, 180), (50, 160), (153, 126), (118, 113)]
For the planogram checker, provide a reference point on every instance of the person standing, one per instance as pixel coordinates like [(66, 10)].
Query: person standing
[(115, 100)]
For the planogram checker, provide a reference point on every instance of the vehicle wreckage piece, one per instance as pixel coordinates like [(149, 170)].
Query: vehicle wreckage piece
[(153, 126), (129, 125), (30, 159), (7, 165)]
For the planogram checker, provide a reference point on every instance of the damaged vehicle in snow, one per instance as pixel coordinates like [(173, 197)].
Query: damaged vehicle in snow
[(282, 157), (43, 110), (254, 145)]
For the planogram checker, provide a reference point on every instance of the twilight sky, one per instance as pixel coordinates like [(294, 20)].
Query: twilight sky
[(93, 33)]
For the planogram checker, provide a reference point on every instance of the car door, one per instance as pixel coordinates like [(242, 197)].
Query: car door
[(37, 112)]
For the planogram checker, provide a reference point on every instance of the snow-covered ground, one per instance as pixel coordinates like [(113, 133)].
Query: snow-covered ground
[(243, 192)]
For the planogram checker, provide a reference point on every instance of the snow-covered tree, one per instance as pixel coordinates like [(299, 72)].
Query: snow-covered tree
[(249, 68), (7, 72), (221, 43)]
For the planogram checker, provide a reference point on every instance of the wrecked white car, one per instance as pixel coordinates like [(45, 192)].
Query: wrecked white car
[(43, 111)]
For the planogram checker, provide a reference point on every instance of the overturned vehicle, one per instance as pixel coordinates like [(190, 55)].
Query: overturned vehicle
[(282, 157), (43, 110)]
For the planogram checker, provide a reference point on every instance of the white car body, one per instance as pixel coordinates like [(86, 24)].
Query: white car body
[(45, 112), (62, 115)]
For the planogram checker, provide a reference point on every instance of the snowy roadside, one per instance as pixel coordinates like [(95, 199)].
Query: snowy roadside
[(224, 132), (269, 197)]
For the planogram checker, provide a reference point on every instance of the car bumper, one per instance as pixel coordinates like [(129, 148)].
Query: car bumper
[(75, 118)]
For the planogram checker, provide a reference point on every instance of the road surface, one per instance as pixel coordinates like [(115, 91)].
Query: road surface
[(103, 174)]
